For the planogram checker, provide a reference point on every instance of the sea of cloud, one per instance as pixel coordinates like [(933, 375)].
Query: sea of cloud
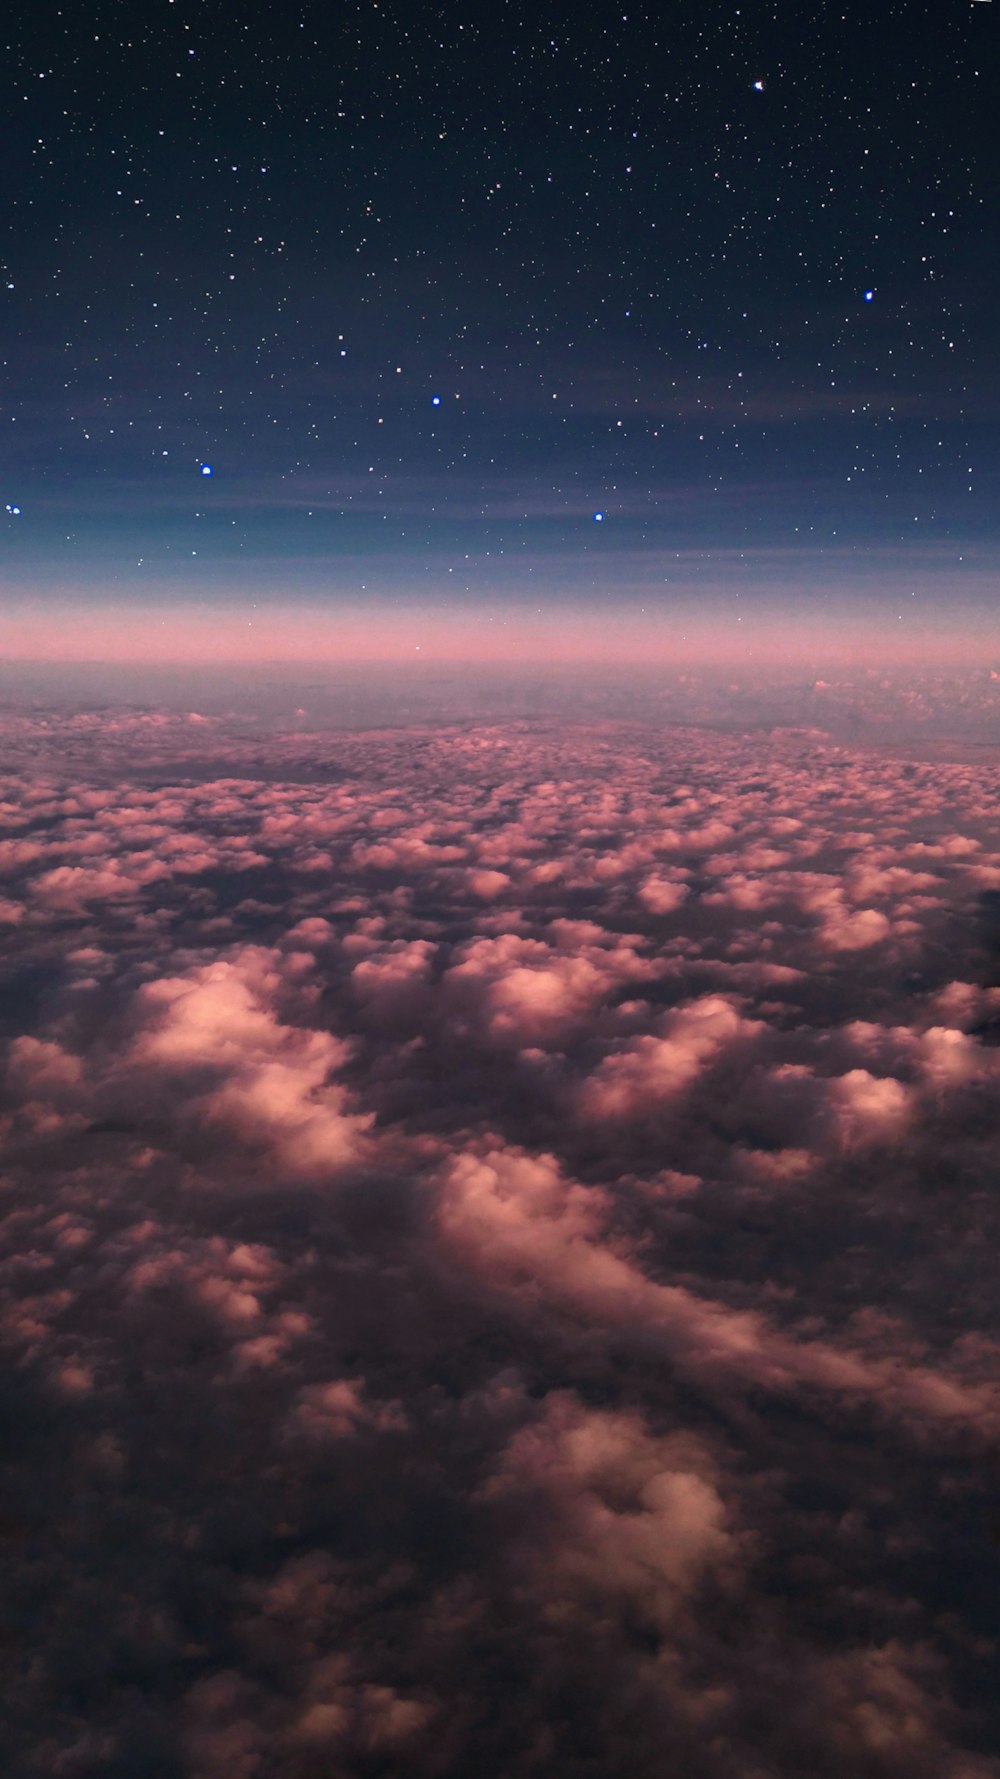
[(499, 1233)]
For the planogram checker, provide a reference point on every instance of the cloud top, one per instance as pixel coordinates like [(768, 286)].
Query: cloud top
[(496, 1266)]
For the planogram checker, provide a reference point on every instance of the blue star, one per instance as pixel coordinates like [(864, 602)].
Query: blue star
[(598, 518), (16, 511), (206, 469), (869, 296), (435, 401)]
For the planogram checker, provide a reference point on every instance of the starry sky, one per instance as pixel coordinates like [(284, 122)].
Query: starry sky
[(523, 330)]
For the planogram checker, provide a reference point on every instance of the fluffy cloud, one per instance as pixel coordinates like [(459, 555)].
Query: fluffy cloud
[(652, 1070), (497, 1253), (215, 1032), (610, 1517)]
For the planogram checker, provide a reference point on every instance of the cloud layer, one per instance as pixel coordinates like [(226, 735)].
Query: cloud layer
[(498, 1254)]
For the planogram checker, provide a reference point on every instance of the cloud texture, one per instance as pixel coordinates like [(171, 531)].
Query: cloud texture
[(498, 1272)]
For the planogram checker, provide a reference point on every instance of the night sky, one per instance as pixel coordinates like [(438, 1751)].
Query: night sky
[(500, 892), (373, 324)]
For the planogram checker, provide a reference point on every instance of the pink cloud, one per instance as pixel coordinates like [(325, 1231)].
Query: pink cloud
[(340, 1409), (513, 991), (522, 1226), (661, 896), (649, 1071), (614, 1517), (484, 1213), (268, 1082)]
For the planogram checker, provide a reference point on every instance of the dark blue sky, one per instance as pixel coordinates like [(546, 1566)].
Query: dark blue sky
[(429, 291)]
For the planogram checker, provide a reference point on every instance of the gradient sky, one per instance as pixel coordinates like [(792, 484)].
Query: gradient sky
[(558, 331)]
